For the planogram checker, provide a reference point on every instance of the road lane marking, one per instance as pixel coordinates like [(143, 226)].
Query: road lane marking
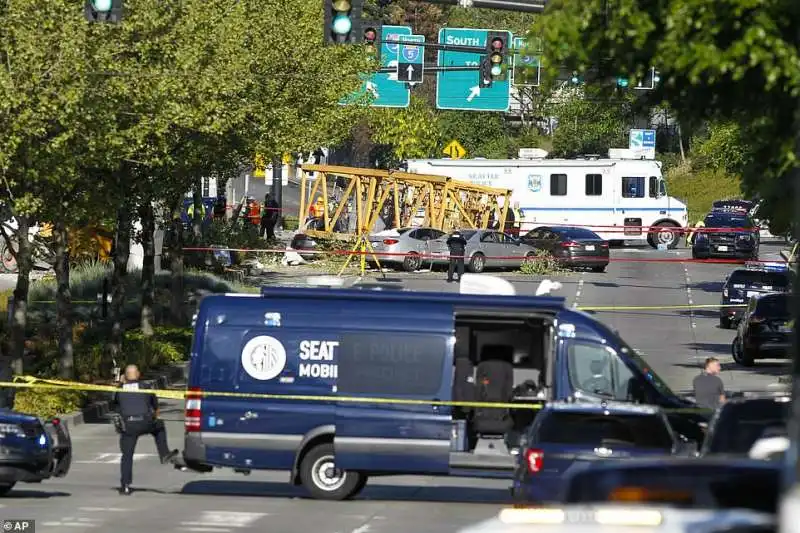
[(361, 529), (115, 458), (578, 292), (221, 521)]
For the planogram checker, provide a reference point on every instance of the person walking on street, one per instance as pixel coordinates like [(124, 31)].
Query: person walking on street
[(457, 246), (138, 415), (709, 391), (269, 218)]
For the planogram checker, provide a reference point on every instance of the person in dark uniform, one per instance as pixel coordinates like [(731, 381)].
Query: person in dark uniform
[(269, 217), (457, 246), (138, 415)]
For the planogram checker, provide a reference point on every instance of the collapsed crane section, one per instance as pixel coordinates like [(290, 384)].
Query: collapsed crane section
[(339, 202)]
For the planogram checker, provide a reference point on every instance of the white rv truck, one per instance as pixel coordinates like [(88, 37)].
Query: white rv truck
[(619, 199)]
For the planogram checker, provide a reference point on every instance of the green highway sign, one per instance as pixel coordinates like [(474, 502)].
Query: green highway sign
[(384, 89), (527, 64), (411, 59), (462, 90)]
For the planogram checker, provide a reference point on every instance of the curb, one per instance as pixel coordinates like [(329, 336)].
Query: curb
[(98, 409)]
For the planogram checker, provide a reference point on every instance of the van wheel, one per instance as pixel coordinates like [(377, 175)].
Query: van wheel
[(477, 263), (412, 262), (665, 233), (323, 480), (5, 488)]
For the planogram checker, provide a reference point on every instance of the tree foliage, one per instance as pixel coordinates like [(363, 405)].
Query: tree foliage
[(584, 125), (732, 60)]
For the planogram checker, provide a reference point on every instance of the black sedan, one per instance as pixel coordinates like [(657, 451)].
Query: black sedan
[(765, 330), (570, 246)]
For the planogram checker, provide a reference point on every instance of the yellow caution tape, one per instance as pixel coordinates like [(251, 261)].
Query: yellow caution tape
[(31, 382), (653, 307)]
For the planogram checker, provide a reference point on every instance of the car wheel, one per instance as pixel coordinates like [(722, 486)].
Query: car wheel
[(665, 233), (738, 352), (321, 478), (477, 263), (5, 488), (7, 260), (599, 269), (725, 322), (412, 262)]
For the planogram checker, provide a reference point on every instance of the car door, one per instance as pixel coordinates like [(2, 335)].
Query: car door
[(437, 246), (411, 364), (490, 248), (513, 250)]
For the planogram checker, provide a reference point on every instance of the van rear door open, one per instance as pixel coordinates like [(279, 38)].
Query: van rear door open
[(411, 360)]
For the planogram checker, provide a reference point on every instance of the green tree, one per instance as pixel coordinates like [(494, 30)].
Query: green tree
[(481, 134), (721, 147), (733, 61), (587, 123), (412, 132)]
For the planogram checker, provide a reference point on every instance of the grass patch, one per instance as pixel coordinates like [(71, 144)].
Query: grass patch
[(699, 189)]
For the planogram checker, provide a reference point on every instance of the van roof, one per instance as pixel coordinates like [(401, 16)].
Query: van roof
[(541, 303)]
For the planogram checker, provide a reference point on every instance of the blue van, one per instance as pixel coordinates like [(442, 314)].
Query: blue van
[(417, 347)]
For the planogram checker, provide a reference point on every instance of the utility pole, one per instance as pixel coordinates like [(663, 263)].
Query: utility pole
[(277, 185)]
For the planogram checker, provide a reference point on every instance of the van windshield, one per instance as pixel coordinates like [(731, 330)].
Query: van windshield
[(645, 369)]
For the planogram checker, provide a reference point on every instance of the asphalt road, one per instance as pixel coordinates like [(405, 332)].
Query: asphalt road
[(674, 341)]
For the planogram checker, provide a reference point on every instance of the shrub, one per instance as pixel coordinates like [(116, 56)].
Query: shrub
[(541, 264), (699, 189), (291, 223), (47, 404)]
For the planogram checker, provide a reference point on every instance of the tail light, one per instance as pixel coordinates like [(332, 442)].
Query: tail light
[(570, 244), (535, 460), (604, 244), (389, 242), (194, 409)]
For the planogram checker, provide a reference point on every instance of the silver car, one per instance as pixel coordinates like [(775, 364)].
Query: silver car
[(494, 249), (410, 248), (416, 247)]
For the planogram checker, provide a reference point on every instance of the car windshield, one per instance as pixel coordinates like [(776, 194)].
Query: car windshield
[(739, 425), (757, 277), (591, 429), (774, 305), (726, 221), (707, 486), (576, 233)]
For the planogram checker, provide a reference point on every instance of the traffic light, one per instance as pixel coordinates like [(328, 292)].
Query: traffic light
[(622, 82), (576, 78), (496, 50), (342, 21), (103, 10), (370, 31)]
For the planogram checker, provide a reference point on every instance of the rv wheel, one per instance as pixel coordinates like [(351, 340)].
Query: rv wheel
[(665, 233), (323, 480)]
